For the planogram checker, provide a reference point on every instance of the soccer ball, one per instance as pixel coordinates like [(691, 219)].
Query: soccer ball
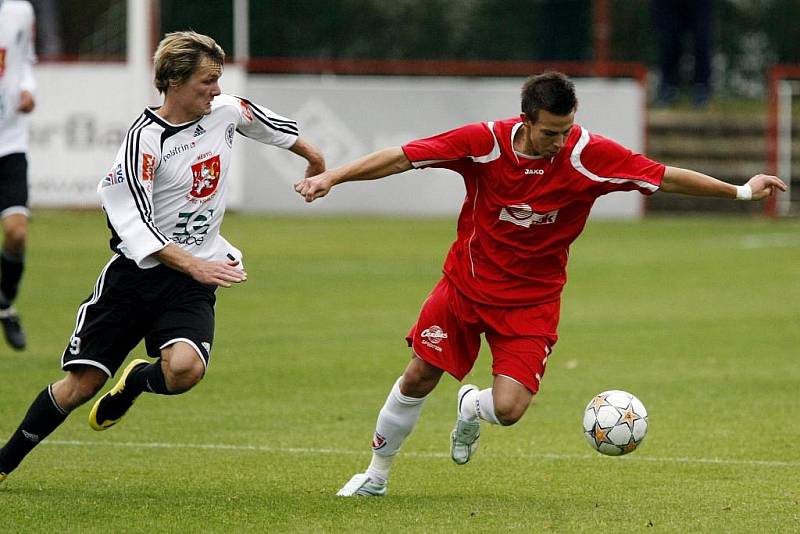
[(614, 422)]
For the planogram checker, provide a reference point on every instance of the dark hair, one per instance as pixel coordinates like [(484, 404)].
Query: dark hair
[(552, 92)]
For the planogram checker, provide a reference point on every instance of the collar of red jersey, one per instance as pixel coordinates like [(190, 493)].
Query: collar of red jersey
[(517, 153)]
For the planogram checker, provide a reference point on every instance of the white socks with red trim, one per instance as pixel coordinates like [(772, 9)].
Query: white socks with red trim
[(396, 420)]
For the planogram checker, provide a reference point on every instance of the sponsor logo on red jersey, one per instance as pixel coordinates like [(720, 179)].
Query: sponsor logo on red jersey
[(523, 215), (148, 166), (205, 178)]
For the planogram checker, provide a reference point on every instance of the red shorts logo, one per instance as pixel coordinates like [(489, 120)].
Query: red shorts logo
[(205, 177), (148, 166), (434, 334)]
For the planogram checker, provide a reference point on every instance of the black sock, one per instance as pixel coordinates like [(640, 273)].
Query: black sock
[(11, 267), (149, 378), (42, 418)]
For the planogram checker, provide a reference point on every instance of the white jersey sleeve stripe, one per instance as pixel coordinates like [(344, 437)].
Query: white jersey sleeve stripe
[(269, 118), (428, 162), (125, 199), (575, 159), (140, 196), (261, 124), (494, 153), (274, 121), (489, 157), (287, 126)]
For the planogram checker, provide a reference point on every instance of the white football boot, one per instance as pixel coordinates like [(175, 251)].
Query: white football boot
[(362, 486), (465, 436)]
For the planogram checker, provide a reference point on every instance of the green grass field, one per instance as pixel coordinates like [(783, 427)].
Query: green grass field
[(697, 317)]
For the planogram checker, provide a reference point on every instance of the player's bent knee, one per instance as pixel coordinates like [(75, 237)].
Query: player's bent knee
[(15, 236), (418, 385), (15, 242), (183, 378), (183, 374), (183, 368), (419, 378), (509, 413)]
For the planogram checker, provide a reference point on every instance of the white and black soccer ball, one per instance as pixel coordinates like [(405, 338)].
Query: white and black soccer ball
[(615, 422)]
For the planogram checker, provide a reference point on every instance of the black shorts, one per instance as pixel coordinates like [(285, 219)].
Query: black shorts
[(13, 184), (128, 304)]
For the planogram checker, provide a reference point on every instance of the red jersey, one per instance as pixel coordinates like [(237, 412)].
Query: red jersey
[(521, 214)]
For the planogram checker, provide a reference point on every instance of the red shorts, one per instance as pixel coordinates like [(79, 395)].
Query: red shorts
[(447, 335)]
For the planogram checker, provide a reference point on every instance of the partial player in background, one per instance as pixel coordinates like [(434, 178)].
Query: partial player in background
[(164, 198), (17, 86), (531, 181)]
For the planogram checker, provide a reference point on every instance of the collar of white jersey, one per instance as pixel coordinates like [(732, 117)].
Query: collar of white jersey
[(161, 121)]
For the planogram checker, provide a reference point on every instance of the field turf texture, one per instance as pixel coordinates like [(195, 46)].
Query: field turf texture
[(698, 317)]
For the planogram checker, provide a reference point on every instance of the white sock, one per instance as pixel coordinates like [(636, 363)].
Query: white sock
[(479, 404), (469, 405), (396, 420)]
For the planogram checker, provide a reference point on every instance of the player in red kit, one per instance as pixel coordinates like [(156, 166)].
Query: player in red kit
[(530, 184)]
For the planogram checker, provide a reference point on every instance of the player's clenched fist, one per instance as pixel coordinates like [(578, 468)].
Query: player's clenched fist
[(313, 187)]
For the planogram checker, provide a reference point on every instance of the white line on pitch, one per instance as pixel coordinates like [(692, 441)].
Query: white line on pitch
[(310, 450), (770, 241)]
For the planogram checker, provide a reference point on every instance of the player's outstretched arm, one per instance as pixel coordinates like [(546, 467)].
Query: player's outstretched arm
[(217, 273), (316, 161), (370, 167), (689, 182)]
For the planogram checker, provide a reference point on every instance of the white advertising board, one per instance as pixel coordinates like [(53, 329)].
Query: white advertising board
[(83, 112), (81, 116), (349, 116)]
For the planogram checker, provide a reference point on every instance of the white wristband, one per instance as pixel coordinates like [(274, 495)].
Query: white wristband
[(744, 192)]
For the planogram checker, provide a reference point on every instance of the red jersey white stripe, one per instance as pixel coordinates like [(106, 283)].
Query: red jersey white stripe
[(521, 214)]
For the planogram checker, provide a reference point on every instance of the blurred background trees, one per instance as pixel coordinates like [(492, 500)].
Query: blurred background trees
[(748, 35)]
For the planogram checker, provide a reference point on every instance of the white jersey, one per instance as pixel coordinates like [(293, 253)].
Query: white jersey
[(16, 72), (168, 182)]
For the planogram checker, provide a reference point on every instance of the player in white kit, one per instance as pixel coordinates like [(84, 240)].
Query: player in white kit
[(165, 200), (17, 86)]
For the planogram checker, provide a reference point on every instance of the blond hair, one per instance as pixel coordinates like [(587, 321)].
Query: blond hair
[(179, 54)]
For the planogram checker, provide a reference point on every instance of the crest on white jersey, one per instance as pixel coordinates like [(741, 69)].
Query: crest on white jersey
[(229, 131), (205, 178)]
